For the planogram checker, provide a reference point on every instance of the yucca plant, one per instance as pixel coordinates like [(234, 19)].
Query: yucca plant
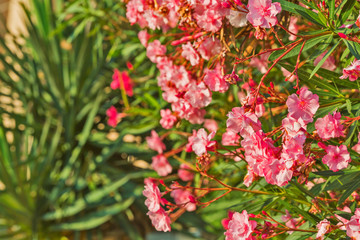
[(58, 170)]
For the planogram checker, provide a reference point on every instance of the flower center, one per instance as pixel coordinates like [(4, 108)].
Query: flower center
[(302, 104)]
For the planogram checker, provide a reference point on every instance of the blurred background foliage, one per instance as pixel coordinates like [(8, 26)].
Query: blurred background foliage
[(63, 171)]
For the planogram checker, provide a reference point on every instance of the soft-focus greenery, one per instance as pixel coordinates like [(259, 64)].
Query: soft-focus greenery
[(61, 174)]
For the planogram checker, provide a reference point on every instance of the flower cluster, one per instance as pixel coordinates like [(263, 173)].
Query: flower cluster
[(157, 214), (222, 105)]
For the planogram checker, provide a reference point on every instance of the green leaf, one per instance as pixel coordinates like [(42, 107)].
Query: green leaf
[(295, 208), (297, 9), (323, 59), (152, 101), (304, 76), (345, 54), (321, 48), (308, 45), (355, 185), (348, 106), (335, 77), (354, 48), (94, 220), (7, 164), (342, 182), (331, 4), (345, 215), (350, 134), (91, 198), (328, 173), (346, 8)]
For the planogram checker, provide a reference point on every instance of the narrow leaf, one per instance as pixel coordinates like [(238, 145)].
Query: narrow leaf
[(323, 60)]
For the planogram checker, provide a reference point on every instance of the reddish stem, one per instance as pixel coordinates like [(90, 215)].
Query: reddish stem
[(272, 66)]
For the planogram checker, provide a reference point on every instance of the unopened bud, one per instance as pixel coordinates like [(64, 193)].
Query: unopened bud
[(342, 35), (129, 65), (238, 2), (321, 145), (269, 224), (192, 199), (225, 4)]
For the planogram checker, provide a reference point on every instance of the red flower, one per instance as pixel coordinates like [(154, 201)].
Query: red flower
[(122, 80)]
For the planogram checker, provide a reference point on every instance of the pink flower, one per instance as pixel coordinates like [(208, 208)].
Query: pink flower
[(356, 147), (215, 80), (290, 222), (293, 28), (244, 123), (323, 227), (352, 72), (182, 198), (185, 174), (209, 48), (185, 110), (237, 18), (343, 221), (230, 138), (278, 173), (249, 177), (259, 109), (225, 221), (353, 226), (286, 74), (329, 126), (155, 51), (172, 76), (293, 126), (190, 142), (190, 54), (211, 125), (250, 85), (167, 120), (240, 227), (293, 149), (262, 13), (337, 158), (329, 63), (196, 116), (210, 19), (199, 95), (161, 165), (153, 196), (114, 116), (304, 106), (135, 10), (143, 37), (262, 156), (155, 143), (261, 63), (160, 220), (202, 143), (154, 19), (121, 80)]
